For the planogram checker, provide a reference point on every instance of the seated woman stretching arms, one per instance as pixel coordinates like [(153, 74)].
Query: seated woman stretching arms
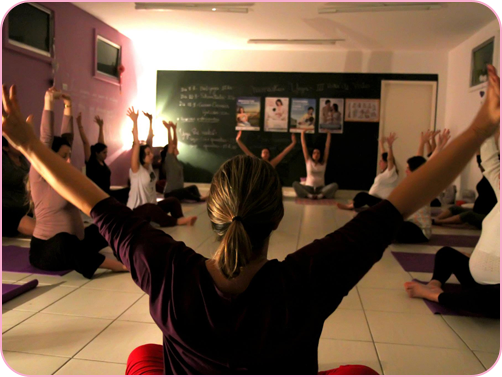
[(483, 204), (15, 204), (95, 156), (478, 274), (143, 197), (175, 180), (384, 182), (59, 240), (272, 311), (315, 187), (265, 152)]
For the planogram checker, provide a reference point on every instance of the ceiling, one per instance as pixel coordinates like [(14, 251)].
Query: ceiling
[(434, 30)]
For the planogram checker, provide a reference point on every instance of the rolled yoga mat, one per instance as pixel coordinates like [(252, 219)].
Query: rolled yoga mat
[(10, 291), (17, 259), (415, 262), (452, 240)]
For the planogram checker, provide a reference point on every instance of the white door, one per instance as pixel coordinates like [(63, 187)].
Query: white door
[(407, 108)]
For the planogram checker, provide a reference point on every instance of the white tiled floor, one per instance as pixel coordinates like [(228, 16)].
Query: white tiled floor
[(71, 325)]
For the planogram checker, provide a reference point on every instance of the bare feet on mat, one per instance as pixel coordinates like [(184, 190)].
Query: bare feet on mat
[(186, 220), (345, 206), (430, 292), (113, 265)]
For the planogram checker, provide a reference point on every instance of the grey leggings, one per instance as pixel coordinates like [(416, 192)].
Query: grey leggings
[(328, 191)]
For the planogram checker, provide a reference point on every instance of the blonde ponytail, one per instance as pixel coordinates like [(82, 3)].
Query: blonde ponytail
[(244, 206)]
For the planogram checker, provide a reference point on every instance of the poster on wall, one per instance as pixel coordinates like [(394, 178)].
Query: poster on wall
[(331, 115), (248, 114), (362, 110), (276, 114), (302, 115)]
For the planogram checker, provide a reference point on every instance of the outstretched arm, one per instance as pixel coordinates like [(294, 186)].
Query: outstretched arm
[(424, 139), (391, 162), (83, 136), (430, 179), (135, 165), (304, 146), (67, 126), (242, 146), (100, 123), (283, 154), (381, 142), (149, 139), (47, 124), (327, 147), (171, 146), (433, 141)]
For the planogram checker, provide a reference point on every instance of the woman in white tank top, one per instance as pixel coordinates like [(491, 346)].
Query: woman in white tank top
[(143, 197), (315, 187)]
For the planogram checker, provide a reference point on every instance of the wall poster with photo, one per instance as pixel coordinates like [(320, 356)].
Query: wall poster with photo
[(362, 110), (302, 115), (248, 114), (331, 115), (276, 114)]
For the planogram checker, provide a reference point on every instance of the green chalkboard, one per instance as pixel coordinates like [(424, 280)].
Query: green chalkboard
[(204, 103)]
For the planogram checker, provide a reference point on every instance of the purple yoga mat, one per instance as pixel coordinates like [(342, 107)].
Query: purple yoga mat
[(437, 308), (415, 262), (10, 291), (453, 240), (16, 259)]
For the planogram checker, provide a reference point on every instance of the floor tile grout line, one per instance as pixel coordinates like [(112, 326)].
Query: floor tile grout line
[(100, 332), (369, 329)]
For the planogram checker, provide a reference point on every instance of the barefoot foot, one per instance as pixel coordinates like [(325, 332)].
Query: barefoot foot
[(345, 206), (418, 290), (186, 220)]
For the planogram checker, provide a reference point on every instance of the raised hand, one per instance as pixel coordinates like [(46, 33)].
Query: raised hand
[(79, 119), (168, 124), (148, 115), (391, 138), (98, 121), (490, 111), (425, 136), (133, 115), (17, 131), (239, 135), (443, 138), (66, 98), (293, 138)]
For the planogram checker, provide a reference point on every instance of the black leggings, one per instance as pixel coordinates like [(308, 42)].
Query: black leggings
[(410, 233), (186, 193), (159, 212), (364, 199), (65, 251), (474, 297)]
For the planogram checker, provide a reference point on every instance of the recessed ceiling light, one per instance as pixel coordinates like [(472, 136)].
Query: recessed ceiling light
[(295, 41)]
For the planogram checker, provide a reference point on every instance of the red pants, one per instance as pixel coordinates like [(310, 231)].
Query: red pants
[(148, 359)]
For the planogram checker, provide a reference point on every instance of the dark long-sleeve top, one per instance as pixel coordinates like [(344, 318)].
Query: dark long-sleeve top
[(274, 326), (486, 199), (54, 214)]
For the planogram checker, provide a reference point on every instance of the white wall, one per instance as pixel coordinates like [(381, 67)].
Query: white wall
[(154, 59), (461, 103)]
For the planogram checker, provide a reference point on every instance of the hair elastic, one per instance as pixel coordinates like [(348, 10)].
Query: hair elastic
[(237, 218)]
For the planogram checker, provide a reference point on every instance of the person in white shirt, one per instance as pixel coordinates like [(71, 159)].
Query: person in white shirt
[(478, 274), (315, 187), (142, 197), (384, 182)]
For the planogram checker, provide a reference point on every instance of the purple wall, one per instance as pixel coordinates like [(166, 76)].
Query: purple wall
[(74, 40)]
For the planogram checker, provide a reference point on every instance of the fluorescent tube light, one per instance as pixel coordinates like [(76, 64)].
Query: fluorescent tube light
[(379, 7), (198, 7), (295, 41)]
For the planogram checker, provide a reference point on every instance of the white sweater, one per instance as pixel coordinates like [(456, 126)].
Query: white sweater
[(484, 263)]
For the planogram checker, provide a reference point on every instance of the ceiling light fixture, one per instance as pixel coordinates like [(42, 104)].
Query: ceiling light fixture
[(380, 7), (198, 7), (295, 41)]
